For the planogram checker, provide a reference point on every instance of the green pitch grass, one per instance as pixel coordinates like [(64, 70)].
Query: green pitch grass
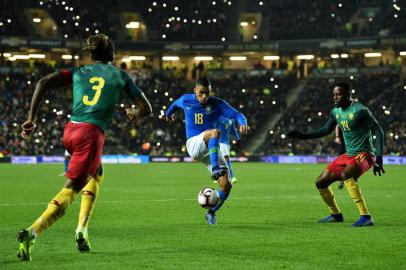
[(147, 217)]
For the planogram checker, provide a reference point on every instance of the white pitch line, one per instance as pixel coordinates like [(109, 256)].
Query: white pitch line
[(172, 200)]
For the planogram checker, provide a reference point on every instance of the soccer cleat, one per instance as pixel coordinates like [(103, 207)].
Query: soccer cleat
[(218, 172), (82, 242), (234, 180), (26, 240), (333, 218), (211, 218), (364, 220)]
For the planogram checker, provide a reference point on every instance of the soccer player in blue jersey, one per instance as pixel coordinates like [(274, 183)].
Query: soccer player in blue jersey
[(227, 127), (202, 112)]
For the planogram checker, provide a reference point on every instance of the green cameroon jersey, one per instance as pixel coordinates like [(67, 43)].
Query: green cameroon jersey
[(355, 122), (97, 89)]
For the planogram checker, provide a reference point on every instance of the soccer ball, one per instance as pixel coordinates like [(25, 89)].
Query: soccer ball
[(208, 198)]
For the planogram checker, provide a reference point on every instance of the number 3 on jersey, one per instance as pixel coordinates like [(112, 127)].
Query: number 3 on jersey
[(198, 118), (98, 84)]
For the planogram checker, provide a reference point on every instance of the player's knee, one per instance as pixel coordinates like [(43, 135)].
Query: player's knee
[(98, 179), (344, 175), (320, 183), (215, 133)]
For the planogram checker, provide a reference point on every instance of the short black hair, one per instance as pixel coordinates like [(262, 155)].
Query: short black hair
[(345, 86), (101, 48), (203, 82)]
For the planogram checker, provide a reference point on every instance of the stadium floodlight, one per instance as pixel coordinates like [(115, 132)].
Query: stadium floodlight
[(271, 57), (344, 55), (67, 56), (203, 58), (244, 24), (238, 58), (36, 20), (334, 56), (170, 58), (21, 56), (305, 57), (400, 53), (133, 25), (137, 58), (375, 54), (36, 56), (396, 7)]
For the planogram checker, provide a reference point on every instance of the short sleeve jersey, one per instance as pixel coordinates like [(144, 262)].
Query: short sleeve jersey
[(97, 89), (355, 121)]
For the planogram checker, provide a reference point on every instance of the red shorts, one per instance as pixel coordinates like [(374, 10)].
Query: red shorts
[(363, 161), (84, 141)]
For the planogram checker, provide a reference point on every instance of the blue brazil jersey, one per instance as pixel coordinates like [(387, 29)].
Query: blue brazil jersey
[(201, 117), (226, 127)]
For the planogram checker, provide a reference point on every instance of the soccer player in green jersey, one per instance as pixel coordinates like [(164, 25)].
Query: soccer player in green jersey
[(97, 88), (357, 124)]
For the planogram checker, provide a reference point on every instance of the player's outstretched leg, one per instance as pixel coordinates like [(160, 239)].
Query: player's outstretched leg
[(55, 210), (223, 192), (89, 196), (326, 192), (356, 194)]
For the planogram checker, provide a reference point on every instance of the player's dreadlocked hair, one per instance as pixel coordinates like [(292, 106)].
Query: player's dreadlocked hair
[(101, 48)]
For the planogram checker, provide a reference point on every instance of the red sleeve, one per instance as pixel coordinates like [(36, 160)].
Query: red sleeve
[(67, 75)]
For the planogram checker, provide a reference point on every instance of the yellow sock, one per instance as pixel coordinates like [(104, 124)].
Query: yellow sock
[(328, 197), (56, 209), (355, 192), (89, 196)]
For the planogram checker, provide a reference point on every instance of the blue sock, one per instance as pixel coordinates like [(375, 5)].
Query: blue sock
[(213, 146), (66, 162), (229, 168), (222, 197)]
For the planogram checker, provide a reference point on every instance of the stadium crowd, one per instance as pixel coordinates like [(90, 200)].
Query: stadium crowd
[(384, 94), (256, 94)]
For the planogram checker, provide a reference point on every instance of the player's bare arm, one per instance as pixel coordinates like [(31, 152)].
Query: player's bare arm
[(53, 80)]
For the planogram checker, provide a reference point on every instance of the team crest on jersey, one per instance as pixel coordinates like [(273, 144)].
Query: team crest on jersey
[(208, 109), (337, 116), (351, 116)]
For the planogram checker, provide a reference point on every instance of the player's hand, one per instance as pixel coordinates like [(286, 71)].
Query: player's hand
[(296, 134), (27, 127), (337, 140), (378, 167), (244, 129), (171, 118), (132, 113)]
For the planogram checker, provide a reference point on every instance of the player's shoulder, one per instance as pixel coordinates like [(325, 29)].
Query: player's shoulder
[(187, 97), (217, 101), (358, 106)]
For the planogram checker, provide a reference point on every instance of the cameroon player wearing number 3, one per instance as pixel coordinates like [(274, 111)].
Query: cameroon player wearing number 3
[(356, 122), (202, 112), (96, 91)]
